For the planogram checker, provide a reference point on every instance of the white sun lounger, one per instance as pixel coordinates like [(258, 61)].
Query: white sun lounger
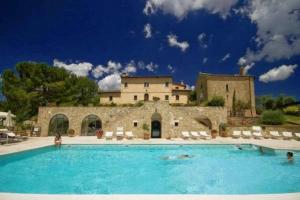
[(236, 134), (287, 135), (194, 134), (297, 136), (246, 134), (120, 135), (257, 132), (129, 134), (185, 134), (108, 135), (274, 134), (204, 135)]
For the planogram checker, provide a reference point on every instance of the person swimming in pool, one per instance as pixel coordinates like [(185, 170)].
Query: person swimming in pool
[(239, 147), (57, 140), (180, 157), (290, 157)]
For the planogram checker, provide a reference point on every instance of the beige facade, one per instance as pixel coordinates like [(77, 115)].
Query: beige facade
[(171, 119), (210, 85), (142, 88)]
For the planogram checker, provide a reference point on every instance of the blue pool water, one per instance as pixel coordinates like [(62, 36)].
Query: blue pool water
[(141, 169)]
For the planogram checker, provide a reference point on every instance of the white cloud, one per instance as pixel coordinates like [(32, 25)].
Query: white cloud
[(278, 29), (173, 42), (225, 57), (111, 67), (99, 71), (111, 82), (130, 68), (204, 60), (148, 30), (151, 67), (171, 69), (278, 74), (79, 69), (202, 38), (180, 8), (244, 63)]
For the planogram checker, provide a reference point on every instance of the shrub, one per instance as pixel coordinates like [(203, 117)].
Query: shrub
[(139, 104), (145, 127), (272, 117), (292, 110), (216, 101)]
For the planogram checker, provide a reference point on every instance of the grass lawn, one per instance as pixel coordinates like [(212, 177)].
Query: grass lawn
[(292, 118)]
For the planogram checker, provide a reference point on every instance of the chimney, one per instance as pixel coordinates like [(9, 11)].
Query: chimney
[(242, 71)]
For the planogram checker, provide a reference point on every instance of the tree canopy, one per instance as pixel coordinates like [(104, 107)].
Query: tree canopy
[(36, 84)]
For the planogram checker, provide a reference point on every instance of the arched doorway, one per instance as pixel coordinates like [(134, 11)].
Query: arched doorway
[(156, 125), (146, 97), (204, 121), (59, 124), (90, 124)]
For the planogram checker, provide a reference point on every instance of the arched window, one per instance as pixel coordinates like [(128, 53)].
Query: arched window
[(146, 97), (90, 124), (59, 124)]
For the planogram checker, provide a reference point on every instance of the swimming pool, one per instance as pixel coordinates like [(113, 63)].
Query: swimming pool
[(148, 169)]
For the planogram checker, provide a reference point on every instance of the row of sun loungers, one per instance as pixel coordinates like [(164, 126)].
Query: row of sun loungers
[(257, 134), (120, 134), (195, 135)]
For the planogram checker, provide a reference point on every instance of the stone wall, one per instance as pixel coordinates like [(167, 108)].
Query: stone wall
[(113, 117)]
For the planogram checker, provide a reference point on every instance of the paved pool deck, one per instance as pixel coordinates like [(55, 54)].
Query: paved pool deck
[(38, 142)]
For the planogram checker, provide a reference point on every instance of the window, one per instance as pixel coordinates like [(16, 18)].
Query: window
[(110, 98), (146, 84), (177, 97), (176, 124), (135, 97), (135, 124), (146, 97), (167, 97), (126, 85), (176, 88), (167, 84), (227, 88)]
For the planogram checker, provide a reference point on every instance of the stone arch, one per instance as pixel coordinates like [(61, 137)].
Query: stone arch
[(156, 125), (204, 120), (59, 124), (90, 125)]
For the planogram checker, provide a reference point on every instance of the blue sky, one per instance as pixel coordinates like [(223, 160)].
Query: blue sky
[(102, 39)]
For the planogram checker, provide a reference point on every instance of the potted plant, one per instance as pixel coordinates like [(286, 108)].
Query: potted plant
[(146, 131), (99, 133), (222, 130), (214, 133)]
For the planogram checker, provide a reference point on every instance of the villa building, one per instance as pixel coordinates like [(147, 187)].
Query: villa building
[(161, 108), (146, 88), (241, 86)]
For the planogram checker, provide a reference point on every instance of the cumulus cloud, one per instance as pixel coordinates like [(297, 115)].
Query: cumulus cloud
[(278, 29), (111, 67), (225, 57), (278, 74), (130, 68), (148, 30), (173, 42), (171, 69), (111, 82), (244, 63), (151, 67), (79, 69), (202, 38), (180, 8)]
